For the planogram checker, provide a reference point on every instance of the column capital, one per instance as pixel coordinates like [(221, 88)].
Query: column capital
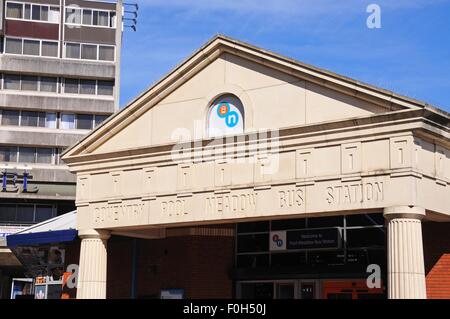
[(94, 233), (411, 212)]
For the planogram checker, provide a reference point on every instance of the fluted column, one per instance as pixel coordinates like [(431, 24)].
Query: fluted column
[(93, 263), (406, 274)]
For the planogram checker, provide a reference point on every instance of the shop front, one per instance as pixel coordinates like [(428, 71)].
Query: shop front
[(328, 181), (310, 258)]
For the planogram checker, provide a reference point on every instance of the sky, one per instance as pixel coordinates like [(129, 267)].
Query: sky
[(409, 54)]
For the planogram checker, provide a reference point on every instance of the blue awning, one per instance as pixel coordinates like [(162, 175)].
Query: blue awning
[(56, 230), (29, 239)]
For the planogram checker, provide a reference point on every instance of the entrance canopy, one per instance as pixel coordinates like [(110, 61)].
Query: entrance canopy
[(56, 230)]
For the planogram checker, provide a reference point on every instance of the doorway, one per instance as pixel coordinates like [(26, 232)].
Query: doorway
[(278, 289)]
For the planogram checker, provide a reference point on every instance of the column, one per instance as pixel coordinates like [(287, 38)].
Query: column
[(93, 263), (406, 274)]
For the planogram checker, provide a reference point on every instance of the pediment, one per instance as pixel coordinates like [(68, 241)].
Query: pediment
[(275, 92)]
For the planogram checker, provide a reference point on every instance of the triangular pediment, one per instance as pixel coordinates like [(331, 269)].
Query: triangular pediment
[(276, 92)]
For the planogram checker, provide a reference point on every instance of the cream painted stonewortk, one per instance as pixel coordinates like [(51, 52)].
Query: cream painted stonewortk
[(342, 146)]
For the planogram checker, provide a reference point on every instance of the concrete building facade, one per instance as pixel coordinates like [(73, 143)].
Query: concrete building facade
[(304, 164), (59, 79)]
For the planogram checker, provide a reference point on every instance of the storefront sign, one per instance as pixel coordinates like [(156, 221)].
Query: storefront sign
[(11, 181), (313, 238)]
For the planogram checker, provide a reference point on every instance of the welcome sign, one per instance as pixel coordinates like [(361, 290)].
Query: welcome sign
[(313, 238)]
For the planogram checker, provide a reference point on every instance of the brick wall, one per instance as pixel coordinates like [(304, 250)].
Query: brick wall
[(120, 255), (198, 264), (436, 241)]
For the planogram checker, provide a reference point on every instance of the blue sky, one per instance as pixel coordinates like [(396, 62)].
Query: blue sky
[(409, 54)]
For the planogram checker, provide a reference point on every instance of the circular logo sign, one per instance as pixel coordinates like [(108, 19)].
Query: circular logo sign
[(224, 112), (231, 119), (222, 109), (277, 240)]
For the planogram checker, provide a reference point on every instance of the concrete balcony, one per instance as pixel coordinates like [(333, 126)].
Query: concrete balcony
[(57, 67), (39, 137), (56, 102)]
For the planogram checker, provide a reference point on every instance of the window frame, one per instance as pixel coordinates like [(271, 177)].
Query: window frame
[(39, 79), (111, 23), (22, 46), (60, 121), (35, 206), (97, 45), (41, 115), (33, 4)]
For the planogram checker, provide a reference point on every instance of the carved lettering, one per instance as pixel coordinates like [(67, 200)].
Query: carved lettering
[(291, 198), (231, 203), (174, 207), (118, 213), (355, 193)]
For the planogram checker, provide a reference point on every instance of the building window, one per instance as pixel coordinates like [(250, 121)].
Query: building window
[(10, 117), (225, 116), (53, 15), (14, 10), (67, 121), (99, 119), (29, 118), (71, 86), (11, 82), (73, 15), (106, 53), (13, 46), (27, 155), (49, 49), (43, 213), (84, 121), (105, 88), (26, 214), (87, 17), (33, 12), (8, 154), (90, 17), (29, 83), (31, 47), (44, 155), (91, 87), (86, 51), (73, 50), (48, 84), (27, 13), (102, 19), (50, 120), (88, 86)]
